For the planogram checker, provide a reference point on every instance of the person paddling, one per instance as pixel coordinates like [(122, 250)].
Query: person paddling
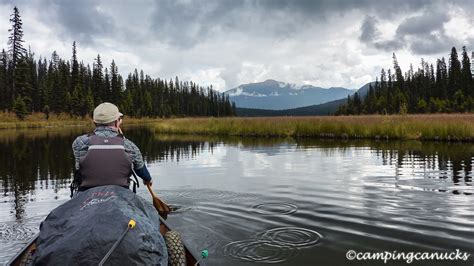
[(105, 156)]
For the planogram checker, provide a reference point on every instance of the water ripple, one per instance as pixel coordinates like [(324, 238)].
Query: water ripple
[(257, 250), (292, 236), (207, 194), (213, 195), (272, 208), (16, 232), (273, 246)]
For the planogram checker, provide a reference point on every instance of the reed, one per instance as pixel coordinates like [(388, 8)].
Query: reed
[(404, 127)]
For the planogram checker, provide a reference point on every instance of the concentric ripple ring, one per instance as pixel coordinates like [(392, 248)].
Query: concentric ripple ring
[(292, 236), (256, 250), (272, 208)]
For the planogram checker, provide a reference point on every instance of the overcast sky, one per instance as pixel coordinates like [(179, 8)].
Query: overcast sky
[(226, 43)]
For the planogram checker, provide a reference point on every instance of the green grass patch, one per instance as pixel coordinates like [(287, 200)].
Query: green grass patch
[(403, 127)]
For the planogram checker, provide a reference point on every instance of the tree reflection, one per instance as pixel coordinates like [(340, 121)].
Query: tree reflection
[(445, 160), (42, 159)]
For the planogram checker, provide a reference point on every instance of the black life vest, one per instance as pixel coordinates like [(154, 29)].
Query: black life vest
[(105, 163)]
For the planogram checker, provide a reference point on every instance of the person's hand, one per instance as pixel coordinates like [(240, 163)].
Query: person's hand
[(148, 183)]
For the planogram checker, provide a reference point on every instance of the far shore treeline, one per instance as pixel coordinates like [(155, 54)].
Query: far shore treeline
[(69, 86), (446, 88)]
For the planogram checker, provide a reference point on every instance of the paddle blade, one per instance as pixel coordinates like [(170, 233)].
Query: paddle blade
[(160, 205), (162, 208)]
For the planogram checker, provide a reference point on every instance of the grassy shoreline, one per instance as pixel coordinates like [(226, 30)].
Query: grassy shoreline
[(441, 127), (38, 120)]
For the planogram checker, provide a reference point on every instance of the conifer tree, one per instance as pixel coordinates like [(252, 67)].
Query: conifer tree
[(75, 68), (106, 87), (97, 81), (454, 75), (4, 97), (115, 84), (16, 50), (19, 107), (466, 75)]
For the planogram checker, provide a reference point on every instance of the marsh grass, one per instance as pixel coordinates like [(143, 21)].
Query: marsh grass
[(404, 127), (450, 127), (38, 120)]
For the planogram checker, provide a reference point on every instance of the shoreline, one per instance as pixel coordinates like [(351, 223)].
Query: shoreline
[(422, 127), (38, 120)]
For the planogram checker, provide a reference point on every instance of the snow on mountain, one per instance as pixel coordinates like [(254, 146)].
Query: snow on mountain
[(275, 95)]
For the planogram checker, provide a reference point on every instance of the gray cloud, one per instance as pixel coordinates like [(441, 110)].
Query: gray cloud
[(83, 21), (431, 44), (185, 23), (423, 34), (177, 22), (371, 35), (390, 45), (426, 23), (327, 7), (369, 31)]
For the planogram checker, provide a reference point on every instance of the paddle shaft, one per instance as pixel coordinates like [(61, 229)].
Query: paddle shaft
[(153, 195), (160, 206)]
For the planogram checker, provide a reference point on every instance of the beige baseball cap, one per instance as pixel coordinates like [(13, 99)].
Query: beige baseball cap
[(106, 113)]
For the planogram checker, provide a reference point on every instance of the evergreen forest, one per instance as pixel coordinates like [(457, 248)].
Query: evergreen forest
[(447, 87)]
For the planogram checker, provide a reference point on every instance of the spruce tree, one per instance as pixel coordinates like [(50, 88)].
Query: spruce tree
[(16, 50), (398, 72), (466, 76), (75, 68), (23, 83), (88, 104), (115, 84), (33, 78), (97, 81), (454, 75), (106, 87), (4, 97), (19, 107)]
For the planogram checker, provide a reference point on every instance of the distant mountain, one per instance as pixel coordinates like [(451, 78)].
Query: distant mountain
[(327, 108), (319, 109), (274, 95)]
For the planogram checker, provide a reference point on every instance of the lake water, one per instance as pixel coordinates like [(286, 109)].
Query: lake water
[(285, 201)]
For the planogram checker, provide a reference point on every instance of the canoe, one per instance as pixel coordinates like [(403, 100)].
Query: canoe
[(25, 254)]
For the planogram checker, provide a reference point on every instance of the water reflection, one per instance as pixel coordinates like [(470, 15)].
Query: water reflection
[(414, 159), (33, 161), (42, 159), (368, 194)]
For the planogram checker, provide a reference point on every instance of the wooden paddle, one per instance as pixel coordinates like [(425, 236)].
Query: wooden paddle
[(162, 208)]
